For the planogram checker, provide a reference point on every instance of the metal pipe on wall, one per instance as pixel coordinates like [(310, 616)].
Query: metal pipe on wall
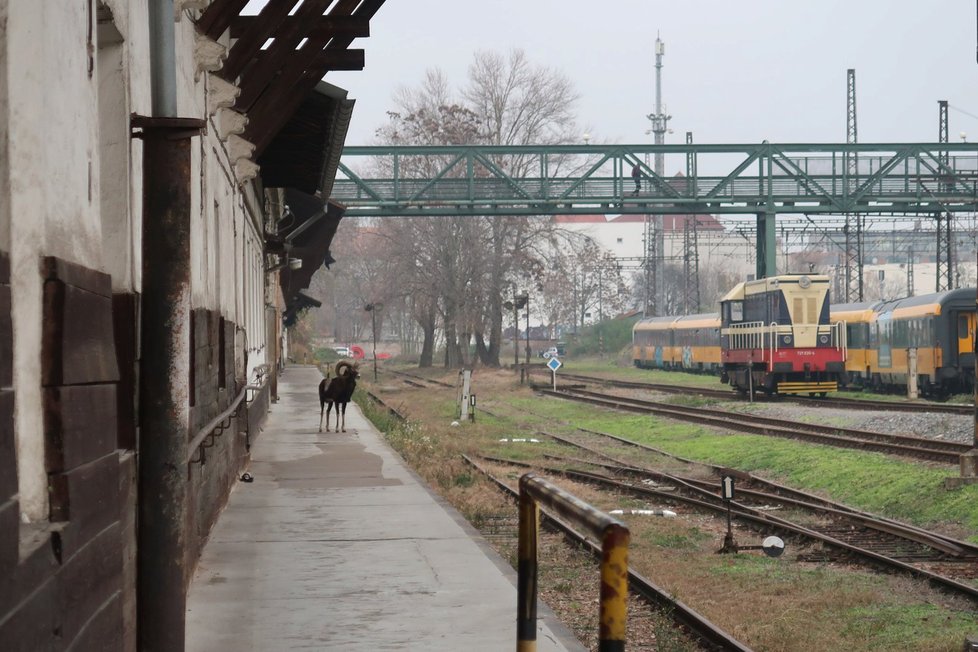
[(164, 375), (164, 406), (162, 59)]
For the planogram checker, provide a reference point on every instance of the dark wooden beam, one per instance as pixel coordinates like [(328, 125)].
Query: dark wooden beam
[(245, 48), (327, 25), (351, 59), (218, 16), (297, 63), (277, 104), (348, 60), (267, 62)]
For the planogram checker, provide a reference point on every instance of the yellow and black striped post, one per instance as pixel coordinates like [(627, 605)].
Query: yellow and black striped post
[(526, 582), (614, 537), (614, 588)]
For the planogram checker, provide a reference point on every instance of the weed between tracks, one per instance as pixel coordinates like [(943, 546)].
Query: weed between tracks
[(768, 604)]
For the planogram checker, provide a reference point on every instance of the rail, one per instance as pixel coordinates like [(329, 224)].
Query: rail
[(614, 536), (749, 335), (214, 428)]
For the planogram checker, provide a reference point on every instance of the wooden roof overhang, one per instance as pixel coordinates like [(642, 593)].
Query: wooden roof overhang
[(277, 58), (296, 122)]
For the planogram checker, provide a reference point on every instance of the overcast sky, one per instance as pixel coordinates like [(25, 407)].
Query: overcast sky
[(735, 71)]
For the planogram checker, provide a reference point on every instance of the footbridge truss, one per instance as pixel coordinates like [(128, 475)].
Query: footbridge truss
[(763, 180)]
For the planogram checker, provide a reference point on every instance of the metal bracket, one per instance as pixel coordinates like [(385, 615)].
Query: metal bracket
[(142, 126)]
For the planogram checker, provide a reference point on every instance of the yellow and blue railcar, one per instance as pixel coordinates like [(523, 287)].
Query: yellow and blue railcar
[(697, 341), (654, 343), (931, 336), (688, 343), (858, 318)]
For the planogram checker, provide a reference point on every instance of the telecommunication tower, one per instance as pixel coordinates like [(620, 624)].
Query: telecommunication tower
[(654, 232)]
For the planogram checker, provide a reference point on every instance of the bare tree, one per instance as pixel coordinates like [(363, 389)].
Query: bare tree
[(459, 268)]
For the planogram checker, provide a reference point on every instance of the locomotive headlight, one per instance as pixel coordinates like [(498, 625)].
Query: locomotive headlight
[(786, 339), (824, 339), (804, 282)]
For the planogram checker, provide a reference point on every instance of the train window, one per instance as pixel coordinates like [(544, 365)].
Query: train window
[(736, 309), (963, 327)]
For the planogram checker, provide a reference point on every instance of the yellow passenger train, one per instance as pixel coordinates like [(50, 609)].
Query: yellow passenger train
[(881, 341), (771, 335), (930, 336)]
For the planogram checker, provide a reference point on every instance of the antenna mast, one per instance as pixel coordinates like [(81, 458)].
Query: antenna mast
[(654, 225)]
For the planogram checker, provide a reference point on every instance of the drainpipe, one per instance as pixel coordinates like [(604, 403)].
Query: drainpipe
[(162, 59), (164, 407)]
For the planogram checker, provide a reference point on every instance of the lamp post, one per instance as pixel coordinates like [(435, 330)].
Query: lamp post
[(519, 301), (373, 308), (525, 299)]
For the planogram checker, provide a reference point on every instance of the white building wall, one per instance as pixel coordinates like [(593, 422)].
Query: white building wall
[(51, 148), (75, 185)]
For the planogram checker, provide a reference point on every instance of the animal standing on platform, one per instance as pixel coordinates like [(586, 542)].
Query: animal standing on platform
[(338, 391)]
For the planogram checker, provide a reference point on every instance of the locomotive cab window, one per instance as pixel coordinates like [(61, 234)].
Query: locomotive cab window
[(963, 327), (735, 311)]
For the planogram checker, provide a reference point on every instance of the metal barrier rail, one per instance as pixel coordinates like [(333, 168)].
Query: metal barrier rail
[(614, 537), (748, 335), (198, 443)]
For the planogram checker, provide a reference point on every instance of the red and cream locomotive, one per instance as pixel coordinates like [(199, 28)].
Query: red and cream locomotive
[(776, 336)]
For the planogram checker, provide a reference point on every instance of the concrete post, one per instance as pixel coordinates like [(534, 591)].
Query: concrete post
[(912, 390)]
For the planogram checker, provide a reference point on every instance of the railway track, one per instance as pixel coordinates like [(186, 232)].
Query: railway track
[(503, 529), (842, 534), (729, 395), (711, 636), (417, 381), (905, 445), (829, 532)]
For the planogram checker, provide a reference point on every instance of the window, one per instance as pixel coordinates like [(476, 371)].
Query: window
[(736, 311), (962, 327)]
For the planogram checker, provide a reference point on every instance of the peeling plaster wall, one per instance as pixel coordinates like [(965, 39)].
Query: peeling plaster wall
[(4, 153), (226, 240), (51, 149), (52, 131), (71, 207)]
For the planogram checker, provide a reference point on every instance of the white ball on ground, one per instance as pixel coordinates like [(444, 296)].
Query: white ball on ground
[(454, 423)]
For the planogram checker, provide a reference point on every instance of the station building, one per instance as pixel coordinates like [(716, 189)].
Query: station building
[(164, 174)]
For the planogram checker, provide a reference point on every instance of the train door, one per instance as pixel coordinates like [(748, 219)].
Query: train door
[(965, 324), (883, 326)]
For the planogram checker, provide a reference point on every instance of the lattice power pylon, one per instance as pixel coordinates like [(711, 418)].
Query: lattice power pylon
[(910, 262), (691, 255), (854, 223), (691, 267), (651, 264), (945, 220)]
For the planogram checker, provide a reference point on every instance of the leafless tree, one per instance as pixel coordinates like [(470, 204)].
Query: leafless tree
[(458, 269)]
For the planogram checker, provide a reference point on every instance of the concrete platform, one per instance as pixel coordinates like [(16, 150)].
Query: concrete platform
[(337, 545)]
